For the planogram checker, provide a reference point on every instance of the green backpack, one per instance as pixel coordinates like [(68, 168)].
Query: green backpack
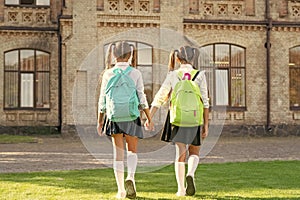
[(186, 108)]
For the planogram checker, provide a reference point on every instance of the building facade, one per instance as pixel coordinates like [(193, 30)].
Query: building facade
[(53, 53)]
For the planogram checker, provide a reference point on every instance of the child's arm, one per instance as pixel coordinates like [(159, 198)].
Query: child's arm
[(148, 124), (205, 125), (100, 123)]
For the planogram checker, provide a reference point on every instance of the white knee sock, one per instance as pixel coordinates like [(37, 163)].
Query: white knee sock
[(180, 177), (131, 165), (193, 162), (119, 175)]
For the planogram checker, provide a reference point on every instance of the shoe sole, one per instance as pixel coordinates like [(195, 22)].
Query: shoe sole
[(130, 191), (190, 189)]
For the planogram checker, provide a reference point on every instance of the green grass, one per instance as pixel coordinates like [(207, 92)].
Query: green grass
[(12, 139), (249, 180)]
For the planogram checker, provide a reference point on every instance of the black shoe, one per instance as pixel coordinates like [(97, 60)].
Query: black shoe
[(190, 189), (130, 190)]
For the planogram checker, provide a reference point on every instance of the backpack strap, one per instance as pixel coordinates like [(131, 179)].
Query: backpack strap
[(120, 71), (127, 70), (195, 74)]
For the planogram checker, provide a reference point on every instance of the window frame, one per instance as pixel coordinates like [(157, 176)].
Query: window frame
[(214, 68), (19, 73), (292, 67)]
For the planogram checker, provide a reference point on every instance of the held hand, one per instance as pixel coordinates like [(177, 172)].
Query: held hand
[(204, 133), (99, 128), (149, 126)]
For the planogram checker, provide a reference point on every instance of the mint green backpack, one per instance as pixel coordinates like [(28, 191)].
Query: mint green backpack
[(186, 108), (121, 97)]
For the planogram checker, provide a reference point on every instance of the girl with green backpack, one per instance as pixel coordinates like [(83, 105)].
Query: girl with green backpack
[(121, 93), (187, 120)]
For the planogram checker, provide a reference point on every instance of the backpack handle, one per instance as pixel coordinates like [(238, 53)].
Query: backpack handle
[(188, 75), (120, 71)]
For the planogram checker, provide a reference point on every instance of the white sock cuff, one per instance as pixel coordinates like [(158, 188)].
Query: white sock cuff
[(130, 153), (179, 165), (194, 157)]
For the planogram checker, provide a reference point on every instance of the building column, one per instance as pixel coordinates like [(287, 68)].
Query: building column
[(1, 10)]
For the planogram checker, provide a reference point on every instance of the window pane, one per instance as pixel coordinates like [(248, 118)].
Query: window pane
[(42, 90), (27, 60), (222, 87), (295, 87), (238, 87), (26, 90), (148, 83), (144, 54), (11, 60), (43, 2), (11, 90), (209, 74), (12, 2), (295, 56), (237, 57), (222, 55), (42, 61), (206, 56), (29, 2)]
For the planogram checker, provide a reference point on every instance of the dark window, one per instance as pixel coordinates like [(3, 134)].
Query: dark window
[(27, 2), (26, 79), (225, 71), (294, 67)]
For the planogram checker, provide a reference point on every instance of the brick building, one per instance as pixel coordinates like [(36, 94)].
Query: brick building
[(52, 55)]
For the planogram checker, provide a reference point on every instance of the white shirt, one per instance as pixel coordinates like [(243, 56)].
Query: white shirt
[(137, 79), (172, 78)]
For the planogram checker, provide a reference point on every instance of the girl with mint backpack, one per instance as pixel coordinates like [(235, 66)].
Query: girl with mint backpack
[(186, 135), (119, 81)]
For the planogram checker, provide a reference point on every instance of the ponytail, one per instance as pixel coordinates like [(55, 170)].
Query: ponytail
[(133, 56), (172, 60), (109, 55), (195, 59)]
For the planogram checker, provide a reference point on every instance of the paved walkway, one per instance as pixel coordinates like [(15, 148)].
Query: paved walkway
[(58, 153)]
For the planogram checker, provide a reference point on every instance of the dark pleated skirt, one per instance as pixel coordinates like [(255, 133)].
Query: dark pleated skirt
[(133, 128), (186, 135)]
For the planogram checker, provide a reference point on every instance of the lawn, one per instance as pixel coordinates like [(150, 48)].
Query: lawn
[(246, 180), (10, 139)]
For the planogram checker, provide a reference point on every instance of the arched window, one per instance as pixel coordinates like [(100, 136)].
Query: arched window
[(26, 79), (294, 67), (225, 71), (144, 61)]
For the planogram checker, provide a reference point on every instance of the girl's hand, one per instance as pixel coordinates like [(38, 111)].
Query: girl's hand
[(204, 133), (149, 126), (99, 128)]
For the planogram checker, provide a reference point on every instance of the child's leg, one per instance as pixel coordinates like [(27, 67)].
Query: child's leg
[(180, 168), (118, 163), (131, 145), (193, 162)]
